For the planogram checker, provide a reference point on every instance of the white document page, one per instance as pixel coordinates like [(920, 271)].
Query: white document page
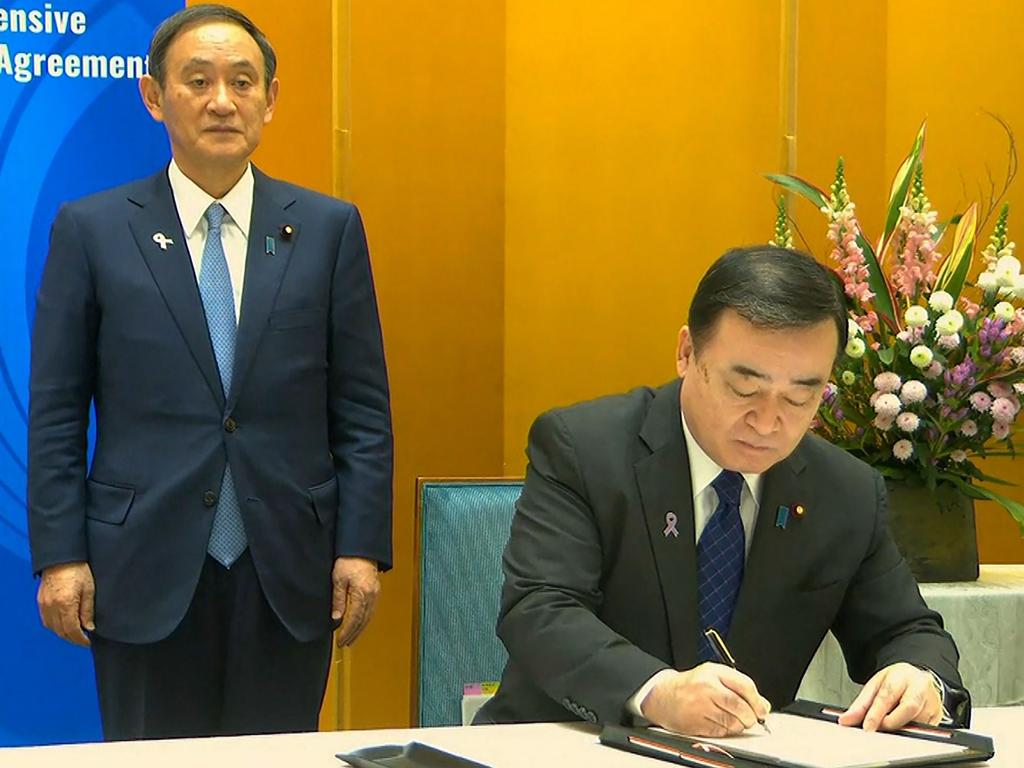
[(811, 743)]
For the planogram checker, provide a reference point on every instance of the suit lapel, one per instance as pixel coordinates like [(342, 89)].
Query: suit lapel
[(172, 270), (263, 270), (664, 481), (776, 558)]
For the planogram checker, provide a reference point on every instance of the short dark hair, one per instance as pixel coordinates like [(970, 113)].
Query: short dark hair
[(769, 287), (174, 25)]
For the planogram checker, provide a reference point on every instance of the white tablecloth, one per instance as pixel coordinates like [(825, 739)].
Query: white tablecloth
[(985, 617), (537, 745)]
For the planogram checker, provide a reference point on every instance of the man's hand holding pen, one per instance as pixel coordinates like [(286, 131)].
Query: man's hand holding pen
[(708, 700)]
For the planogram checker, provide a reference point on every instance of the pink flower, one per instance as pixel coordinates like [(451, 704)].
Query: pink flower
[(934, 370), (907, 421), (970, 308), (868, 321), (1004, 409), (948, 341), (887, 405), (1000, 430), (903, 449), (1000, 389), (969, 428), (915, 271), (887, 382), (980, 401), (958, 456), (913, 392)]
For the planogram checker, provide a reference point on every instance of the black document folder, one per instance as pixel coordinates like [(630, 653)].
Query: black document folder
[(411, 755), (914, 745)]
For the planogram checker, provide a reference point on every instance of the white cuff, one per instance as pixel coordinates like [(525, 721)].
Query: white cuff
[(637, 699)]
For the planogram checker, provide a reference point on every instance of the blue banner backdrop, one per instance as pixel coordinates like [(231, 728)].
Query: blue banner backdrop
[(71, 123)]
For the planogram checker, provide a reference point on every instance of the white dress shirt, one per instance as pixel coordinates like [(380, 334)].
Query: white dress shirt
[(703, 471), (192, 202)]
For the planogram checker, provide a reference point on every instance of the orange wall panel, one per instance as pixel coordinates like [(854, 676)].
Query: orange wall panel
[(427, 168), (635, 142)]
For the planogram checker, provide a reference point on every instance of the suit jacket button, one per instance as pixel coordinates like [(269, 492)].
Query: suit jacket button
[(230, 425), (209, 498)]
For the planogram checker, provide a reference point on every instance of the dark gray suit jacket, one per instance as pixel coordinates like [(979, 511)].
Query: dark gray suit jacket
[(597, 598)]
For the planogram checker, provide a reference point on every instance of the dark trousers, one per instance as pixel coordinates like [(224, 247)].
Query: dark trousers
[(229, 668)]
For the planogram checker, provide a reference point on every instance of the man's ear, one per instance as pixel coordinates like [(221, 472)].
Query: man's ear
[(272, 91), (152, 97), (684, 351)]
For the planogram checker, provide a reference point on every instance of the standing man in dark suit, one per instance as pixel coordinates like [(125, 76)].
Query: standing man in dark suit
[(224, 326), (649, 517)]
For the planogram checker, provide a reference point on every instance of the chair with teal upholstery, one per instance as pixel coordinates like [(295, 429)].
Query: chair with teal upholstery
[(461, 530)]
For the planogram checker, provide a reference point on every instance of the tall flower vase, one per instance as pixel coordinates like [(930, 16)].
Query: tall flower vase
[(934, 531)]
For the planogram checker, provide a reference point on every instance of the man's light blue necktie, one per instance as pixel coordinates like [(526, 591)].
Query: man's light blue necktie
[(227, 539), (720, 558)]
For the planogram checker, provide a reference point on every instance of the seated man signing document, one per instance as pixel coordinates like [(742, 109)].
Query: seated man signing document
[(649, 517)]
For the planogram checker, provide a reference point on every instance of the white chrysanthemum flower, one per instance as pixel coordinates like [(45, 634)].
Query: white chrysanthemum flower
[(1018, 287), (940, 301), (987, 281), (959, 456), (856, 348), (916, 316), (921, 356), (882, 423), (908, 421), (949, 323), (969, 428), (1004, 311), (934, 370), (913, 392), (903, 449), (948, 342), (887, 381), (1000, 430), (1019, 387), (1006, 271), (887, 405), (848, 377)]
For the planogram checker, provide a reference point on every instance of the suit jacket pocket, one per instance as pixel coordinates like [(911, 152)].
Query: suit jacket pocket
[(108, 503), (303, 317), (812, 587), (325, 501)]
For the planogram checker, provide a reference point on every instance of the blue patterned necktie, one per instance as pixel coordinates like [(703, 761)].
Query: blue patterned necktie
[(720, 556), (227, 539)]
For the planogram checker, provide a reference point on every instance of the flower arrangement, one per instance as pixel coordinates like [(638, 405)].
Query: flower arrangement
[(932, 377)]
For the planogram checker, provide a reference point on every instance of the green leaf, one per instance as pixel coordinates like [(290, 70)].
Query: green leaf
[(900, 185), (886, 355), (990, 479), (801, 187), (954, 270), (1015, 508), (876, 280)]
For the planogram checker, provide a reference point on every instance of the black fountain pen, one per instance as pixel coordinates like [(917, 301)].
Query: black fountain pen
[(722, 652)]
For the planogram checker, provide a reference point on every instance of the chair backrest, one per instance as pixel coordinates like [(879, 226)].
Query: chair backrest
[(461, 530)]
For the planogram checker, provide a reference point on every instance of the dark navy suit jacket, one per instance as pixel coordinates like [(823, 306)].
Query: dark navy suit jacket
[(306, 426)]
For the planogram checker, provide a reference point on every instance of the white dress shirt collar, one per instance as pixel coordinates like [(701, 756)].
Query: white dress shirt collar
[(192, 202), (703, 469)]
